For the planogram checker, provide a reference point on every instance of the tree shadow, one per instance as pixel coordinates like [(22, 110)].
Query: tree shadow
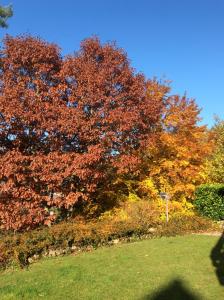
[(217, 257), (174, 291)]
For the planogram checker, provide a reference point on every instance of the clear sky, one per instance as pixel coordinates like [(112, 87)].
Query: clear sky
[(181, 40)]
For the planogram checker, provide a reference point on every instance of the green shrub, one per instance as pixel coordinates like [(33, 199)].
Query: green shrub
[(209, 201)]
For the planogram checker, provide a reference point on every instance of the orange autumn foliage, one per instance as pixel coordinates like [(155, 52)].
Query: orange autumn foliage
[(72, 129), (67, 126), (175, 161)]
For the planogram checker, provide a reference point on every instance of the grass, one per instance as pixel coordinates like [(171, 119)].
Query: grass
[(177, 266)]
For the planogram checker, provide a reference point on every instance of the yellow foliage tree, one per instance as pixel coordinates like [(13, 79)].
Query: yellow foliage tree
[(215, 162), (175, 161)]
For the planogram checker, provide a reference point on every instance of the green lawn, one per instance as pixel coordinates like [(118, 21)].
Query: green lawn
[(150, 269)]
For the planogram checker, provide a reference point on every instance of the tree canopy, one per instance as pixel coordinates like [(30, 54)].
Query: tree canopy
[(5, 13), (80, 130), (68, 125), (215, 162), (175, 161)]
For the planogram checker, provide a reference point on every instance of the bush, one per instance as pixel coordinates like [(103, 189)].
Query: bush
[(140, 221), (186, 224), (209, 201)]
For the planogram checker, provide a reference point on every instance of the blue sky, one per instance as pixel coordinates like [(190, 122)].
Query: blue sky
[(182, 41)]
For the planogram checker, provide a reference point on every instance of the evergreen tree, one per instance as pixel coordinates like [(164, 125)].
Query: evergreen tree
[(5, 13)]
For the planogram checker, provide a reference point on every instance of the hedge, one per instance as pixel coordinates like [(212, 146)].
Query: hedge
[(21, 249), (209, 201)]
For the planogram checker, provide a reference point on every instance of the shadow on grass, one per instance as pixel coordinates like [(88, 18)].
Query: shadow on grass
[(174, 291), (217, 257)]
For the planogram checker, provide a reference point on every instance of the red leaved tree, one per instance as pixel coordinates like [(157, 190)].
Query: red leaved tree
[(67, 125)]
